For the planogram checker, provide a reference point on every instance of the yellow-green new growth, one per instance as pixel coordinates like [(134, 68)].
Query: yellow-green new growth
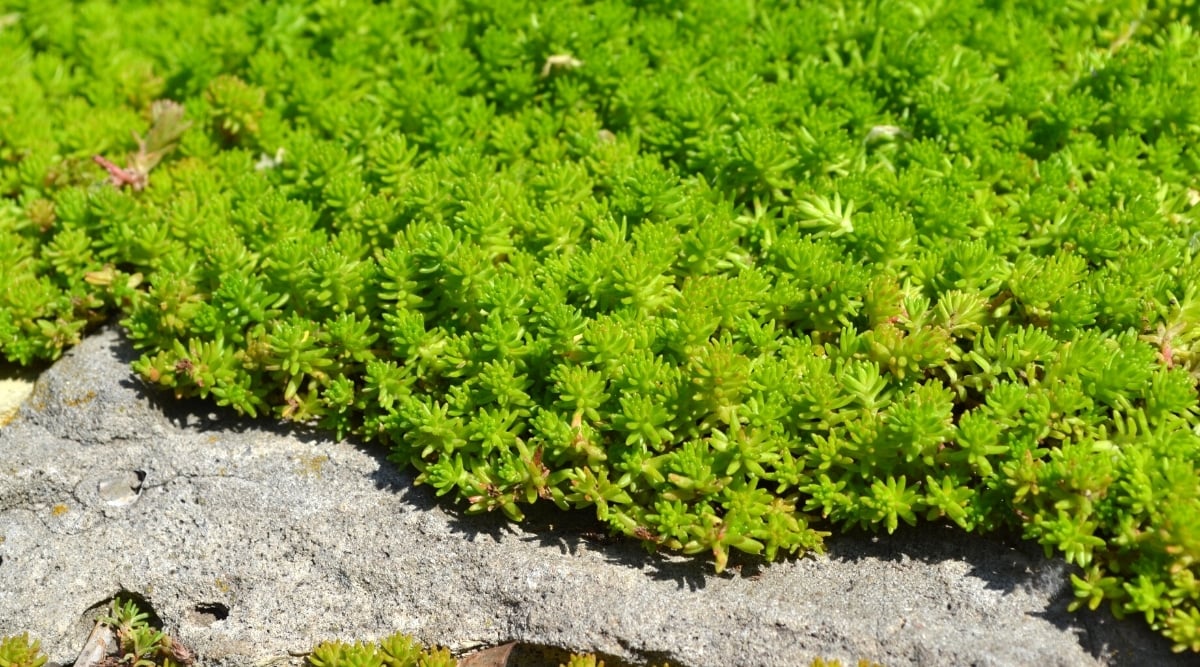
[(20, 651)]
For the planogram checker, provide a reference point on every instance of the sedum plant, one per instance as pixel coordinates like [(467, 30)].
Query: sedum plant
[(398, 650), (733, 277), (401, 650), (20, 651), (138, 643)]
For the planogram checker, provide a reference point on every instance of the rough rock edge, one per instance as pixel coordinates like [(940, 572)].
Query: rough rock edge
[(254, 541)]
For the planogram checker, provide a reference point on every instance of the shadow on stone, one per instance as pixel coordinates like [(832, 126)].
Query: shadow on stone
[(1002, 562)]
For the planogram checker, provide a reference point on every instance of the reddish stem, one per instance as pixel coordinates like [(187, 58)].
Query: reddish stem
[(120, 177)]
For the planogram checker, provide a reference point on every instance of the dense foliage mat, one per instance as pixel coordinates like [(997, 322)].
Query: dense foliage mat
[(731, 274)]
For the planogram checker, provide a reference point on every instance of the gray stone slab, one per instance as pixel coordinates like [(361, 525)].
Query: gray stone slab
[(252, 541)]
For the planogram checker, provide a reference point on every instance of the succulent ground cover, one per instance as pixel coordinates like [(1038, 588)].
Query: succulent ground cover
[(733, 276)]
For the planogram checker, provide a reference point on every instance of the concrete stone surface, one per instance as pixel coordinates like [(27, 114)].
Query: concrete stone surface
[(251, 541)]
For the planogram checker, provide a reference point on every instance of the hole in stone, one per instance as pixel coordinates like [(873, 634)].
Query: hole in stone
[(140, 601), (211, 612), (103, 608), (121, 489)]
